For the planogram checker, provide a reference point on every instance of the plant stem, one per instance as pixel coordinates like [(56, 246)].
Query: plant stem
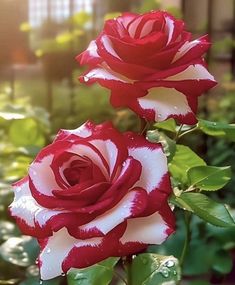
[(187, 220), (143, 126), (178, 132), (120, 277), (188, 132), (127, 264)]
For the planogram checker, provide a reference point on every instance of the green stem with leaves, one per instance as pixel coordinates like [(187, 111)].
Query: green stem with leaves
[(187, 220)]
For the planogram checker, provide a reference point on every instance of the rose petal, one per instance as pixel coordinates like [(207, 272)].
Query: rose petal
[(192, 72), (165, 103), (130, 206), (57, 248), (31, 217), (83, 131), (153, 229), (154, 166)]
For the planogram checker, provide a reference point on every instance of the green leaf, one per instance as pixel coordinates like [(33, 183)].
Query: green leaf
[(209, 178), (98, 274), (7, 230), (21, 251), (168, 125), (205, 208), (222, 262), (150, 268), (26, 132), (168, 144), (222, 130), (183, 160)]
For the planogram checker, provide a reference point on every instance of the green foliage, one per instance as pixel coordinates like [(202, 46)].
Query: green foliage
[(98, 274), (182, 161), (209, 178), (221, 130), (168, 125), (149, 269), (205, 208)]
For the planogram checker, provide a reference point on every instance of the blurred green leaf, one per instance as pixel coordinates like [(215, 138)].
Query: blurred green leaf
[(183, 160), (223, 262), (209, 178), (205, 208), (36, 281), (98, 274), (168, 125), (222, 130), (149, 269), (21, 251), (7, 230), (26, 132)]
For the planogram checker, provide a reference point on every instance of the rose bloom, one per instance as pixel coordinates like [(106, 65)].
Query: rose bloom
[(94, 193), (151, 65)]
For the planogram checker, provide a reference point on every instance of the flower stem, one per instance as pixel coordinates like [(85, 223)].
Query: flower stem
[(143, 127), (187, 220), (127, 264), (188, 132)]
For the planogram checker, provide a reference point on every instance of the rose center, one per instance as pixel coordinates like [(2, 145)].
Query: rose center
[(78, 171)]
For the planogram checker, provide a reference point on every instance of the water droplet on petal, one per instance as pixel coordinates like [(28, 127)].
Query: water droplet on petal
[(86, 78), (63, 274), (48, 250), (37, 261)]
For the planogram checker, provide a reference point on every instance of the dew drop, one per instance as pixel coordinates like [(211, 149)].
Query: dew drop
[(63, 274), (165, 272), (170, 263), (86, 78), (175, 107), (40, 282), (36, 261), (174, 272), (48, 250), (214, 124)]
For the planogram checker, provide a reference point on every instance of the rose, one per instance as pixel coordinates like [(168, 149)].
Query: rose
[(151, 65), (94, 193)]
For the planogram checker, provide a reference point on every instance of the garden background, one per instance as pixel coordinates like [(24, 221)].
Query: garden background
[(40, 93)]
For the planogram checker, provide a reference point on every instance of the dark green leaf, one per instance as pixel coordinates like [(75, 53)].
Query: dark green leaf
[(183, 160), (222, 262), (168, 125), (26, 132), (98, 274), (222, 130), (209, 178), (21, 251), (149, 269), (205, 208)]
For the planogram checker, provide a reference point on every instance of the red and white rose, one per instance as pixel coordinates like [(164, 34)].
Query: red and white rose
[(151, 65), (94, 193)]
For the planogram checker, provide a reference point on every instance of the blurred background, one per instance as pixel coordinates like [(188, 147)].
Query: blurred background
[(40, 93)]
